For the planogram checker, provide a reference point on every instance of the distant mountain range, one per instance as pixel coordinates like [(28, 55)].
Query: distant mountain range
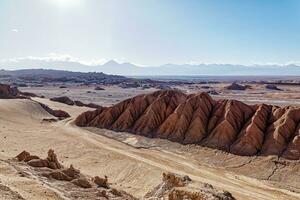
[(113, 67), (49, 75)]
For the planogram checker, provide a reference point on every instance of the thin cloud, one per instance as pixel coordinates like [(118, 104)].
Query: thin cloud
[(54, 57), (15, 30), (253, 64)]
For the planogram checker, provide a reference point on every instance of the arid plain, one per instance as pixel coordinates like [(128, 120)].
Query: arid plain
[(133, 164)]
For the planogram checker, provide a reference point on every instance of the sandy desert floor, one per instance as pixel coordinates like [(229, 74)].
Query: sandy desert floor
[(132, 163), (288, 95)]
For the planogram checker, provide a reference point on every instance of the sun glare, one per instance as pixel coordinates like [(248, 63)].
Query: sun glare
[(66, 3)]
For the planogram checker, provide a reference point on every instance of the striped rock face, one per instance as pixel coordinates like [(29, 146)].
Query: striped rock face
[(228, 125)]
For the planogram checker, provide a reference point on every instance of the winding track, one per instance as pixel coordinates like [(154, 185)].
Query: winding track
[(242, 187)]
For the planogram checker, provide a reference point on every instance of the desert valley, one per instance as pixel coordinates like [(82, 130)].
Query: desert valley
[(192, 140), (149, 100)]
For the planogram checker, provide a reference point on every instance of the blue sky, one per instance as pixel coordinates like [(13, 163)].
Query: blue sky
[(153, 32)]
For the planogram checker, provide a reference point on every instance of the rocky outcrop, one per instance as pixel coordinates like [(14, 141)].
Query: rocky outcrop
[(293, 149), (86, 118), (70, 102), (9, 92), (272, 87), (60, 114), (101, 182), (68, 174), (57, 171), (180, 194), (50, 162), (175, 180), (226, 121), (251, 137), (73, 184), (281, 132), (82, 182), (25, 156), (177, 187), (227, 125), (64, 99), (12, 92), (82, 186), (235, 86), (188, 122), (99, 88), (78, 103), (92, 105), (28, 94)]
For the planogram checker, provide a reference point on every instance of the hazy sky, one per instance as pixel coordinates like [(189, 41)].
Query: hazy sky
[(153, 32)]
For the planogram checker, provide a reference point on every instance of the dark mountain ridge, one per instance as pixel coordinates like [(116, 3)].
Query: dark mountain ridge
[(50, 75)]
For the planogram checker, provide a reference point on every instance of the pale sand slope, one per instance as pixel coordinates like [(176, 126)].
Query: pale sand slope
[(134, 170)]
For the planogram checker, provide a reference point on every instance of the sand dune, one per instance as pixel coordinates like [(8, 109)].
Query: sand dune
[(21, 110)]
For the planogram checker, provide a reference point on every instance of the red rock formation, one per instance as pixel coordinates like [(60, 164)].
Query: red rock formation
[(293, 150), (228, 118), (251, 138), (228, 125), (157, 112), (188, 123), (281, 131), (86, 118)]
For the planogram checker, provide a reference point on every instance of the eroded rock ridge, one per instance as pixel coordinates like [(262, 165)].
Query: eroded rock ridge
[(228, 125)]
